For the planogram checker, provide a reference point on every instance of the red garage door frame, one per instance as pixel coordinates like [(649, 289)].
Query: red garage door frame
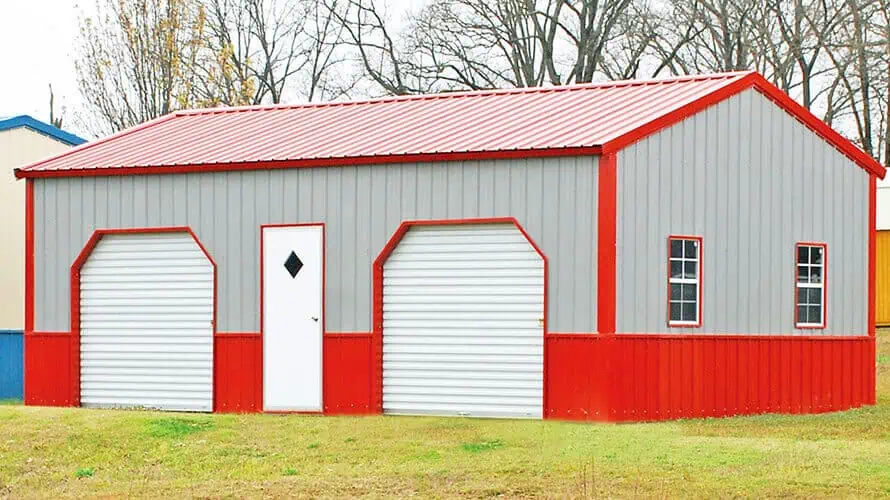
[(75, 295), (377, 333)]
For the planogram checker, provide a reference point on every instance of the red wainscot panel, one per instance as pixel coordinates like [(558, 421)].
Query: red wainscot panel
[(48, 370), (238, 373), (576, 385), (663, 377), (347, 373)]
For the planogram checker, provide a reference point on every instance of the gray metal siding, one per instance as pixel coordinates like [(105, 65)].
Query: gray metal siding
[(752, 181), (553, 198)]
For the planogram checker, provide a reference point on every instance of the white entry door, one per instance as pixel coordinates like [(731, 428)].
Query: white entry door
[(293, 263)]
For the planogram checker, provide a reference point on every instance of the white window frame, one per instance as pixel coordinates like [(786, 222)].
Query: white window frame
[(808, 284), (682, 280)]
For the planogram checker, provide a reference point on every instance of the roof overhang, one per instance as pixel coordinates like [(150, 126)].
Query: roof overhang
[(748, 80)]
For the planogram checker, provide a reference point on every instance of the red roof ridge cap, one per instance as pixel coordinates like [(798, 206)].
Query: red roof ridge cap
[(471, 93)]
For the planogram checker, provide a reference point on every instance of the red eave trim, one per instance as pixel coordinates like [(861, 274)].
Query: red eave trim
[(741, 82), (314, 162)]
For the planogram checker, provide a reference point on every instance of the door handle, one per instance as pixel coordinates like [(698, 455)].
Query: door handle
[(314, 319)]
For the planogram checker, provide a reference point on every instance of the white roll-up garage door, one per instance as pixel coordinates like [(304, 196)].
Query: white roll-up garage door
[(146, 313), (463, 310)]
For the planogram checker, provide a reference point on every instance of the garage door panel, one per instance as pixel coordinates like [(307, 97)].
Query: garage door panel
[(146, 323), (462, 323)]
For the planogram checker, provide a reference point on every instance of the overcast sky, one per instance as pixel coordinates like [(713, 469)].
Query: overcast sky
[(37, 38)]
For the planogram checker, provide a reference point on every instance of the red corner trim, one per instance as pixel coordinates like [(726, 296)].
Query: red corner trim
[(824, 285), (377, 320), (75, 293), (701, 281), (772, 92), (607, 233), (324, 289), (29, 256), (872, 252)]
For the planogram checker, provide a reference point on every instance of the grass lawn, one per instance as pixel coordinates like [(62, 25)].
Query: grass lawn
[(48, 452)]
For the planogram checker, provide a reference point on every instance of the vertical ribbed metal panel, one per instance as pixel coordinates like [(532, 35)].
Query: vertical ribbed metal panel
[(12, 361), (752, 181), (146, 312), (463, 310), (555, 200)]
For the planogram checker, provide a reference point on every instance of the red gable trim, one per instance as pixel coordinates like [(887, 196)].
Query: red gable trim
[(750, 80), (761, 84)]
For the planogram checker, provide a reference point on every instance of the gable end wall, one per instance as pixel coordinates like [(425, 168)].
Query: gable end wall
[(752, 181)]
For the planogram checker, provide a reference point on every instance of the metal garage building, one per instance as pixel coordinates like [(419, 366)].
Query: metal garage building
[(697, 246)]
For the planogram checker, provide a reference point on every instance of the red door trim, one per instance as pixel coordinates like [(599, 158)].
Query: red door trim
[(75, 294), (377, 308), (324, 292)]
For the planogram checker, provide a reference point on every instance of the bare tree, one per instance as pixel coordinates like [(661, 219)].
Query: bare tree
[(134, 58), (54, 119)]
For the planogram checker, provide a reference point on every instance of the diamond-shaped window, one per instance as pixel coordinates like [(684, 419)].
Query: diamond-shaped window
[(293, 264)]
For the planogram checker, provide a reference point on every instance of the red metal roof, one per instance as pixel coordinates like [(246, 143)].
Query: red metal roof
[(547, 121)]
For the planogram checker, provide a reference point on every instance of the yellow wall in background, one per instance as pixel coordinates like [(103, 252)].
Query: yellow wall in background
[(882, 279)]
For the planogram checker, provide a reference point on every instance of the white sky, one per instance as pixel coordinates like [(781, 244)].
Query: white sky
[(37, 40), (36, 49)]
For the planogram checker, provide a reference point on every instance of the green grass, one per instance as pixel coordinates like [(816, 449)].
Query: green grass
[(10, 402), (84, 472), (64, 452)]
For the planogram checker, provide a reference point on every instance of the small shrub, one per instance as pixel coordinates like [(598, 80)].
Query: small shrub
[(84, 472), (480, 446), (177, 427)]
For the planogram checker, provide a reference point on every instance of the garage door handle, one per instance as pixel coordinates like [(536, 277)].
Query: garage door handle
[(314, 319)]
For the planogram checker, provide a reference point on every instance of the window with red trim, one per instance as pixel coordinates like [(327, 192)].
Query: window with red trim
[(809, 288), (684, 280)]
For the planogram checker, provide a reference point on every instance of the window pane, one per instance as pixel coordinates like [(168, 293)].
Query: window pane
[(816, 255), (676, 248), (802, 294), (675, 311), (803, 274), (803, 255), (802, 314), (815, 275), (815, 315), (689, 311), (815, 296), (676, 269), (690, 269), (675, 291), (691, 249), (689, 292)]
